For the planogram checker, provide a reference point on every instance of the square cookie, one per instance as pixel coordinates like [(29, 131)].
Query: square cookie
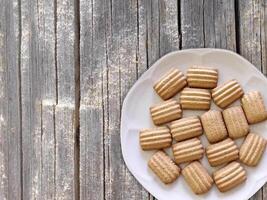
[(252, 149), (197, 177), (213, 125), (254, 107), (236, 122)]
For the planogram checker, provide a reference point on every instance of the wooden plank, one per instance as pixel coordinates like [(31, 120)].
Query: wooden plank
[(66, 50), (192, 24), (219, 24), (93, 65), (38, 81), (30, 97), (169, 35), (251, 23), (48, 171), (66, 111), (121, 52), (10, 126), (208, 24), (65, 151), (153, 30), (253, 34)]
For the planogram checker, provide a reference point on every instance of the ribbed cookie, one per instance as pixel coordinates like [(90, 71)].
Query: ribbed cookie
[(155, 138), (252, 149), (213, 125), (165, 112), (188, 150), (227, 93), (186, 128), (202, 77), (229, 176), (195, 99), (197, 178), (222, 152), (254, 107), (170, 84), (164, 167), (236, 122)]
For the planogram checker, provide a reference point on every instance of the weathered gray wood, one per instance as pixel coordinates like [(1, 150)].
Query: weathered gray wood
[(66, 50), (252, 44), (169, 35), (66, 111), (10, 126), (208, 24), (121, 52), (153, 30), (65, 151), (38, 81), (48, 171), (264, 192), (93, 66), (30, 97), (252, 17), (219, 24), (192, 26)]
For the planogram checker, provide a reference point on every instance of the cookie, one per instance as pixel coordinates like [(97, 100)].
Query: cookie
[(222, 152), (171, 83), (252, 149), (229, 176), (236, 122), (188, 150), (186, 128), (197, 178), (164, 167), (195, 99), (166, 112), (213, 125), (226, 94), (155, 138), (254, 107), (202, 77)]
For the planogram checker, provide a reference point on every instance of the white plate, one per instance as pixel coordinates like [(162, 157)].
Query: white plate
[(135, 115)]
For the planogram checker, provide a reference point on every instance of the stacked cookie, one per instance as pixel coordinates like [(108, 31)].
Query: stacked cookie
[(221, 128)]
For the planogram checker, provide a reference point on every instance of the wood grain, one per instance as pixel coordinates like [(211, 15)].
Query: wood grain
[(65, 68), (66, 111), (10, 124), (121, 74), (30, 100), (93, 71)]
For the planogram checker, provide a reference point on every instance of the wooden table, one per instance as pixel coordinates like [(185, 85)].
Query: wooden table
[(65, 68)]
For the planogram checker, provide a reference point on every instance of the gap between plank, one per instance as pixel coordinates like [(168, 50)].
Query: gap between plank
[(77, 99), (20, 99), (237, 26)]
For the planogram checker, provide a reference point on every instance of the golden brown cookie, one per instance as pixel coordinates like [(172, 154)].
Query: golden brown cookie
[(170, 84), (166, 112), (155, 138), (254, 107), (213, 125), (222, 152), (229, 176), (227, 93), (164, 167), (236, 122), (252, 149), (202, 77), (188, 150), (195, 99), (197, 178), (186, 128)]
